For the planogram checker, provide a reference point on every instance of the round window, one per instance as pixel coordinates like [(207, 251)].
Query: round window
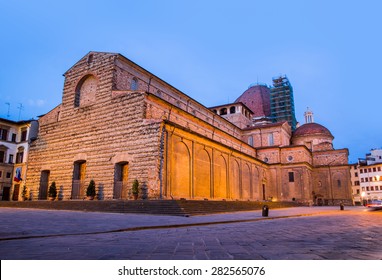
[(289, 158)]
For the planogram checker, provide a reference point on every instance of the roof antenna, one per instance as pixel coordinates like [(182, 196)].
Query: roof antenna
[(9, 107), (21, 107)]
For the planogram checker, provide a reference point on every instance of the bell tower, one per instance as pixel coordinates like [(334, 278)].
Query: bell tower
[(308, 116)]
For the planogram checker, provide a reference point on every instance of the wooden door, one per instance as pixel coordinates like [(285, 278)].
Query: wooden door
[(16, 192), (78, 184), (44, 182)]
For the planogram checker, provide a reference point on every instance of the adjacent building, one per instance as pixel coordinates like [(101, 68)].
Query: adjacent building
[(366, 178), (14, 147), (370, 176), (119, 122), (355, 182)]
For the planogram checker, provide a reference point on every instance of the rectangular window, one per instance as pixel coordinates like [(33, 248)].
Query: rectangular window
[(3, 134), (369, 169), (356, 174), (2, 155), (14, 137), (270, 139), (379, 168), (372, 188), (10, 159), (291, 177), (374, 169), (362, 180), (357, 183), (19, 157), (357, 191), (250, 141), (361, 170), (23, 135), (338, 183), (366, 179), (8, 175), (363, 189), (376, 188), (367, 189), (1, 173)]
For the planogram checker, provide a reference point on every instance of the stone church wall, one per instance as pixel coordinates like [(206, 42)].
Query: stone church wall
[(109, 131)]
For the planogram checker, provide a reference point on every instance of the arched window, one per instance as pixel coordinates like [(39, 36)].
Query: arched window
[(232, 110), (134, 84), (86, 91), (223, 111)]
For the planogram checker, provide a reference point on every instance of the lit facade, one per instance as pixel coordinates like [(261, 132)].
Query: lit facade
[(371, 181)]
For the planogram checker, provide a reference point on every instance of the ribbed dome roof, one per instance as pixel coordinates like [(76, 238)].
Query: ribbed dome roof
[(257, 98), (309, 129)]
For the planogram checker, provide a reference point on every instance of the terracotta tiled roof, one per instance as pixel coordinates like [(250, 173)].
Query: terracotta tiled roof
[(312, 129)]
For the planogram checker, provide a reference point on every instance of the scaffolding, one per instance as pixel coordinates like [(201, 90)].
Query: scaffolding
[(282, 101)]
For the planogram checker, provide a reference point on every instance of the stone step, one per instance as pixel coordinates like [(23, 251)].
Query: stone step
[(159, 207)]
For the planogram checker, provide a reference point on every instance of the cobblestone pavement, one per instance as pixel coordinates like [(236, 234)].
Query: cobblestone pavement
[(303, 233)]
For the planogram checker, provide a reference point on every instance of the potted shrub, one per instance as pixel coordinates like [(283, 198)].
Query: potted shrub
[(52, 193), (24, 194), (135, 189), (91, 191)]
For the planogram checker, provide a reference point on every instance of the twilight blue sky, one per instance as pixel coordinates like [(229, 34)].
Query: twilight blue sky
[(330, 50)]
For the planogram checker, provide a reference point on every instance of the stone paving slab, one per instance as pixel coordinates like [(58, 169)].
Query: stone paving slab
[(311, 233), (36, 222)]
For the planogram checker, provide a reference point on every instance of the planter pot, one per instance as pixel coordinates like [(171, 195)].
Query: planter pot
[(90, 198), (135, 196), (51, 198)]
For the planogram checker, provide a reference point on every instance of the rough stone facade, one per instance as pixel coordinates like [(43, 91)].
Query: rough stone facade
[(118, 122)]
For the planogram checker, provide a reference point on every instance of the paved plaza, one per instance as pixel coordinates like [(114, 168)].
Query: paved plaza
[(301, 233)]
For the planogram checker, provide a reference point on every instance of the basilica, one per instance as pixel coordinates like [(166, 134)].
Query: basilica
[(118, 123)]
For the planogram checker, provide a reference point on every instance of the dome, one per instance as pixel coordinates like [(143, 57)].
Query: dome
[(312, 129), (257, 98)]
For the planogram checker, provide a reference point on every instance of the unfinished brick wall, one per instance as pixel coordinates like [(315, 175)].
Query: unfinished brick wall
[(100, 132)]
